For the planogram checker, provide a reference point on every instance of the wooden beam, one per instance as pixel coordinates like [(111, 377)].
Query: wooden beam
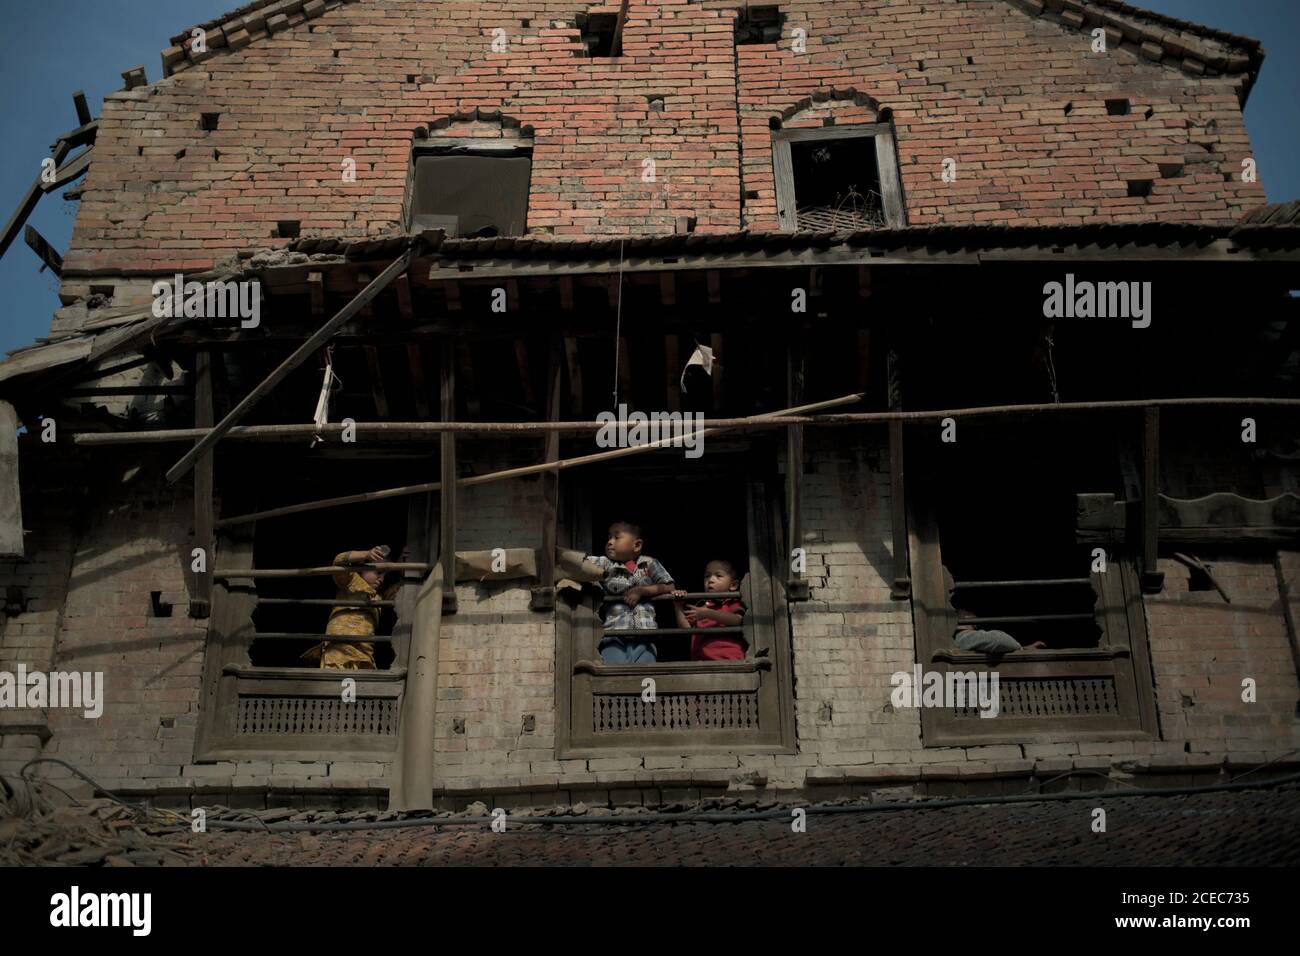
[(49, 256), (575, 374), (300, 355), (755, 421), (447, 489), (796, 584), (377, 390), (316, 291), (30, 198), (204, 486), (83, 110), (616, 48), (402, 289), (72, 169), (543, 596), (714, 280), (415, 359), (902, 586), (1152, 579)]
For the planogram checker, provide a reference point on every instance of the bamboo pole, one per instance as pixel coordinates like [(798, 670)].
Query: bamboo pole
[(228, 573), (516, 472), (431, 431)]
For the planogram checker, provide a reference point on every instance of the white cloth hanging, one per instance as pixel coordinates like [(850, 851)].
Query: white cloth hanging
[(703, 357)]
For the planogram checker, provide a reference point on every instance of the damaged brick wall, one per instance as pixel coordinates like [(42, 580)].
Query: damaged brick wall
[(1018, 102)]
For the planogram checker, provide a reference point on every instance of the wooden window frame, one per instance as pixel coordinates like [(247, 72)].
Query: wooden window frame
[(891, 189), (579, 674), (228, 676), (1122, 656), (487, 146)]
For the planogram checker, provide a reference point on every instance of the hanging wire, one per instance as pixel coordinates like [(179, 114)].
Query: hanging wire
[(1051, 365)]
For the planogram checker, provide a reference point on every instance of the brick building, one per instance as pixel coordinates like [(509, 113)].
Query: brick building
[(531, 213)]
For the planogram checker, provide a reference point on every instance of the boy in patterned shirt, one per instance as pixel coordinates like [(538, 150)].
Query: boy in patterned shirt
[(632, 577)]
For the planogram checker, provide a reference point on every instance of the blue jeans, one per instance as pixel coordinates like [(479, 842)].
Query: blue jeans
[(622, 650)]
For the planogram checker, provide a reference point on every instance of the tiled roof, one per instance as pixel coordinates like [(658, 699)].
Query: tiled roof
[(973, 237)]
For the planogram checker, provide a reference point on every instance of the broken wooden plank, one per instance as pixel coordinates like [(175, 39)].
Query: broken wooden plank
[(50, 258), (300, 355)]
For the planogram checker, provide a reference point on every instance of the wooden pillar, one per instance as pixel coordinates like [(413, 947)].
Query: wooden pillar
[(204, 417), (447, 512), (902, 587), (1152, 579), (543, 598), (796, 585)]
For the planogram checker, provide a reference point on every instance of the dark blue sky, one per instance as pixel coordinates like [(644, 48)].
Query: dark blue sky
[(58, 46)]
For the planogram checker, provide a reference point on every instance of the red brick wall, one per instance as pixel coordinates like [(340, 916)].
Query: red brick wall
[(977, 81)]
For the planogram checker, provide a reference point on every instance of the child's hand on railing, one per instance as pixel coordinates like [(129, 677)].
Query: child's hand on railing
[(632, 597), (696, 614)]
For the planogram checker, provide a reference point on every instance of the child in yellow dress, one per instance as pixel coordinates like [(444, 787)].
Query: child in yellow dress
[(363, 584)]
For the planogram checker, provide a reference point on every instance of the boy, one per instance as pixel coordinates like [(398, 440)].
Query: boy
[(633, 577), (719, 576), (354, 621)]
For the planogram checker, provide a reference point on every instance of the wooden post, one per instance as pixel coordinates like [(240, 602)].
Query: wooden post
[(1152, 579), (201, 601), (447, 513), (902, 588), (543, 595), (796, 585)]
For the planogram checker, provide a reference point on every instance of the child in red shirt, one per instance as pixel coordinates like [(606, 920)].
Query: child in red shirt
[(719, 576)]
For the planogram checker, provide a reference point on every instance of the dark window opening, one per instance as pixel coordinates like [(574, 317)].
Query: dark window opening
[(597, 31), (209, 121), (837, 184), (1118, 107), (1005, 502), (471, 190), (1140, 187), (684, 541), (288, 228), (759, 25), (304, 540)]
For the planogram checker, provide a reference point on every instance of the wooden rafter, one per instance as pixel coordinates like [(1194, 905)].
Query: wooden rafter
[(300, 355)]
